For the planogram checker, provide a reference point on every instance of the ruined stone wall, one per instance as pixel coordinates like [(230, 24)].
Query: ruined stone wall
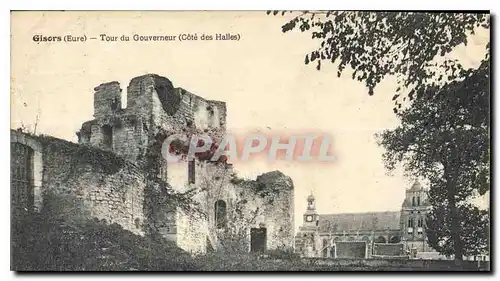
[(107, 99), (193, 229), (279, 212), (129, 135), (173, 109), (266, 202), (98, 182), (155, 107), (126, 132), (192, 232)]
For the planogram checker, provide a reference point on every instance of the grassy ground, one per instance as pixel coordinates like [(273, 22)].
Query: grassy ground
[(52, 245)]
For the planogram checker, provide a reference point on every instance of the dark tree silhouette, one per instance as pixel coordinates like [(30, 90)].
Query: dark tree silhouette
[(444, 137), (474, 232)]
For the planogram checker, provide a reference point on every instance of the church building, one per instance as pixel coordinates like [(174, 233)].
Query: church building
[(367, 234)]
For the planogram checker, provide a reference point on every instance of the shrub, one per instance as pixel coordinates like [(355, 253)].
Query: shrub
[(283, 253)]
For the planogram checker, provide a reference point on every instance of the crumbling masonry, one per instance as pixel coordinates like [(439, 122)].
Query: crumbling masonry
[(124, 180)]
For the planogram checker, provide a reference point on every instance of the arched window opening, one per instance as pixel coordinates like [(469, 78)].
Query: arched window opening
[(107, 136), (410, 222), (418, 201), (420, 222), (413, 201), (220, 214)]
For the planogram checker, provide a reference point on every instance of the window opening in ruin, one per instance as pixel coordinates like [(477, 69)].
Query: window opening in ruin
[(21, 173), (220, 214), (107, 136), (114, 103), (210, 110), (191, 171), (258, 239)]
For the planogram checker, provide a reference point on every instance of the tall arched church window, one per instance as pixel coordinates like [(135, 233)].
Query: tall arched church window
[(420, 222), (410, 222)]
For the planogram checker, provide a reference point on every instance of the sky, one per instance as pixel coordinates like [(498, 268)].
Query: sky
[(262, 78)]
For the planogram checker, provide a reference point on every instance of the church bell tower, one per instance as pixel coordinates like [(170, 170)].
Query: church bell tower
[(311, 216)]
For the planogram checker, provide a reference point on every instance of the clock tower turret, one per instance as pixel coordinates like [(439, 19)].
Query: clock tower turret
[(307, 242), (311, 216)]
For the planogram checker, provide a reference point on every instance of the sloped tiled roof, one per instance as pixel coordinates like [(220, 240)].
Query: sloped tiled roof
[(359, 221)]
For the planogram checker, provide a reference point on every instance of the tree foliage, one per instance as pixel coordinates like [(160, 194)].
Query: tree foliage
[(380, 44), (474, 230), (444, 136), (446, 127)]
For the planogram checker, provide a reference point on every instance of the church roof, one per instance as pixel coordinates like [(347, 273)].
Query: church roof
[(310, 197), (375, 221), (416, 186)]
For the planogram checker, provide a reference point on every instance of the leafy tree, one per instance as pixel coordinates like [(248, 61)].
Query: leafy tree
[(474, 230), (444, 137), (380, 44)]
